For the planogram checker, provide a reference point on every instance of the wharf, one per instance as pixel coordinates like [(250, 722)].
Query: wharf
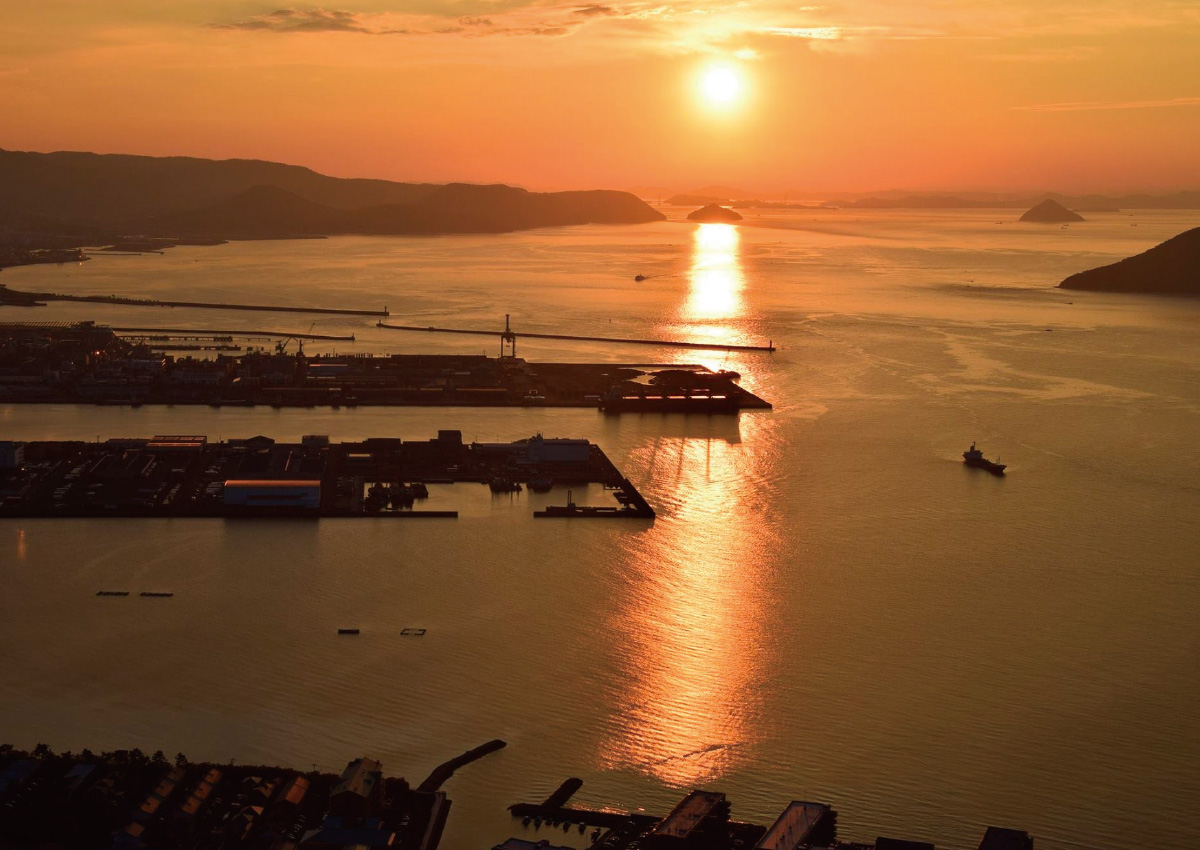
[(186, 476), (17, 298), (93, 364)]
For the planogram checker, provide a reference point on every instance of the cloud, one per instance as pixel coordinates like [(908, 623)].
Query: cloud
[(595, 10), (531, 20), (301, 20), (1099, 105), (683, 27)]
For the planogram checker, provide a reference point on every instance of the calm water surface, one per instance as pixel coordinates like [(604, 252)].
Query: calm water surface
[(829, 606)]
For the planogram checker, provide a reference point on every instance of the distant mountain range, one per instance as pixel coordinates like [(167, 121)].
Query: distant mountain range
[(85, 194)]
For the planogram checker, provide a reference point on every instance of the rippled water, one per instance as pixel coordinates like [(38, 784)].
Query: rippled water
[(829, 606)]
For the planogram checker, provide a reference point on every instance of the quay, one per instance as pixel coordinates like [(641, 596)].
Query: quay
[(381, 477), (702, 819), (509, 336), (17, 298), (86, 363)]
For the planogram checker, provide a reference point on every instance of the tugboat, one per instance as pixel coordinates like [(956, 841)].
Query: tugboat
[(974, 457)]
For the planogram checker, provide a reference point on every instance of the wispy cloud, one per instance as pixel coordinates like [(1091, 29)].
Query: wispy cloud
[(1100, 105), (287, 21), (727, 26), (301, 20)]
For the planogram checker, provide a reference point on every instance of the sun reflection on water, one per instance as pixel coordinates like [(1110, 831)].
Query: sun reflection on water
[(695, 619), (715, 278)]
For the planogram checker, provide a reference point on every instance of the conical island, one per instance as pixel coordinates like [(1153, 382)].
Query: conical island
[(1051, 211), (714, 212), (1172, 268)]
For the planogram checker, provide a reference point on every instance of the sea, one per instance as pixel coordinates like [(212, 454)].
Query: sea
[(829, 606)]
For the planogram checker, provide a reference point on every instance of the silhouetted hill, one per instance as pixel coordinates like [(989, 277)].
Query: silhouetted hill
[(1050, 211), (1172, 268), (111, 189), (260, 211), (174, 196), (714, 212)]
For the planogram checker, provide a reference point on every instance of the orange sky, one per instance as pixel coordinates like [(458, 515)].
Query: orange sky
[(1069, 95)]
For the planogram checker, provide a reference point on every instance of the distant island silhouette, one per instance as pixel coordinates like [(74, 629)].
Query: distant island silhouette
[(1170, 268), (68, 199), (714, 212), (1051, 211)]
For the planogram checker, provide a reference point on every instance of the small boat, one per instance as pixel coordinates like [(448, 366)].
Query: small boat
[(348, 631), (159, 595), (974, 457), (639, 277), (419, 490), (541, 484)]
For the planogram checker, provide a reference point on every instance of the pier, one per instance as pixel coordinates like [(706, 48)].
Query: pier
[(509, 336), (181, 475), (17, 298)]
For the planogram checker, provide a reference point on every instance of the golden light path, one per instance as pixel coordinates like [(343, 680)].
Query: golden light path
[(695, 619), (715, 281)]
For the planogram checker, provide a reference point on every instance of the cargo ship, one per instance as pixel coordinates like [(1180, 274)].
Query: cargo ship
[(974, 457)]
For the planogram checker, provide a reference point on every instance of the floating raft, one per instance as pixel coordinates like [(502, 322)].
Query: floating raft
[(412, 632), (348, 631), (112, 592), (155, 595)]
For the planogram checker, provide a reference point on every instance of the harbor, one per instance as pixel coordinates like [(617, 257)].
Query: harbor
[(255, 477)]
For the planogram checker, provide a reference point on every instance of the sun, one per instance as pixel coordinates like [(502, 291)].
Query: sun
[(721, 85)]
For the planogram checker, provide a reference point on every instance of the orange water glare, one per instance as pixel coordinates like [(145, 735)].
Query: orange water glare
[(694, 618), (21, 549), (715, 278)]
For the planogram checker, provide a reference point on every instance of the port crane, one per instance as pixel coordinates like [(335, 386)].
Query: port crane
[(281, 346)]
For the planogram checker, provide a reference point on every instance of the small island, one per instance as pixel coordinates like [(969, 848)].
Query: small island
[(713, 213), (1171, 268), (1051, 211)]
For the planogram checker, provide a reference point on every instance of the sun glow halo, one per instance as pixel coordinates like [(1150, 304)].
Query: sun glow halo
[(720, 85)]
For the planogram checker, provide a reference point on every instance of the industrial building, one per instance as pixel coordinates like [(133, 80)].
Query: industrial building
[(359, 793), (700, 820), (801, 825)]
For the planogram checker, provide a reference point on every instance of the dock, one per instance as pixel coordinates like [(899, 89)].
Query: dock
[(17, 298)]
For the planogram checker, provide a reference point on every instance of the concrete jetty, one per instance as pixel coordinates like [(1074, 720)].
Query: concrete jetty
[(38, 299), (233, 333), (508, 335)]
